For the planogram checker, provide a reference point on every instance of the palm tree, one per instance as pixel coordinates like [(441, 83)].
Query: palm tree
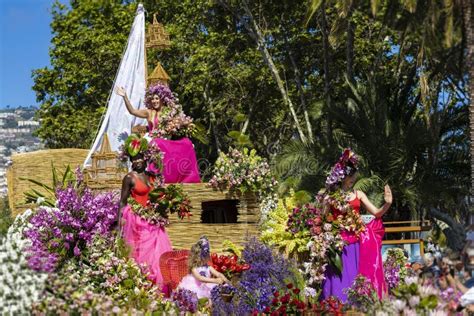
[(438, 24)]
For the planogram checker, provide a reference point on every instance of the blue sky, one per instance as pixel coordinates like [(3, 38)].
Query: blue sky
[(25, 37)]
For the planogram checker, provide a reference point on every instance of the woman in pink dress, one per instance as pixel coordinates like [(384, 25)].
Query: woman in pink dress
[(362, 254), (202, 278), (167, 128), (147, 241)]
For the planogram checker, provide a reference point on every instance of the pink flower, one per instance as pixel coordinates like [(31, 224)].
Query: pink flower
[(316, 230)]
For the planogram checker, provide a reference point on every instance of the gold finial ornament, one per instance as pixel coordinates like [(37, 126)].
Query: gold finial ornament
[(157, 37), (158, 75)]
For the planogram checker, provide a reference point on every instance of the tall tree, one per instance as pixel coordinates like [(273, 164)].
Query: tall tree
[(87, 45)]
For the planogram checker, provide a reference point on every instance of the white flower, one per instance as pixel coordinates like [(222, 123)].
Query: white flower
[(399, 305), (414, 301), (411, 280), (40, 200)]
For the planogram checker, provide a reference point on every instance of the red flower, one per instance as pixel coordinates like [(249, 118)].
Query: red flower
[(275, 302), (289, 285), (294, 301), (255, 312), (267, 310), (282, 309), (276, 294), (301, 305), (296, 291), (285, 298)]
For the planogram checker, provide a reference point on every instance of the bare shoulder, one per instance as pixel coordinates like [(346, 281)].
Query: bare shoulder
[(361, 194), (128, 178)]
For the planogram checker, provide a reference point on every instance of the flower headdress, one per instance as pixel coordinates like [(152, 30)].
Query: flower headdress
[(134, 145), (163, 91), (205, 248), (346, 165)]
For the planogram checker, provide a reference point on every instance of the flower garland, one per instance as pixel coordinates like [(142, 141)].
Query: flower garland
[(338, 202), (163, 201), (148, 213)]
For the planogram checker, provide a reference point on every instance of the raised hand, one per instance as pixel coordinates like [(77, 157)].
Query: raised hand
[(120, 91), (388, 195)]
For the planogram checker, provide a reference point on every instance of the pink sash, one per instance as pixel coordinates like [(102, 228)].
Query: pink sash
[(370, 264)]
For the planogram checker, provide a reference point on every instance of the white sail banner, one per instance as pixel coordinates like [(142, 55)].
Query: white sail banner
[(131, 76)]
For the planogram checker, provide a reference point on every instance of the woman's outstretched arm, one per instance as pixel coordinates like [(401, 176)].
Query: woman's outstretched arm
[(143, 113), (371, 208)]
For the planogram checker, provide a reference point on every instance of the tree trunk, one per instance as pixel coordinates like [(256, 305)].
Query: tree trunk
[(350, 45), (327, 76), (302, 98), (468, 17), (254, 30)]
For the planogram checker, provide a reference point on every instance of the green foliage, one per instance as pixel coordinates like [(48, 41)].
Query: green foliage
[(387, 80), (5, 216), (88, 41), (274, 229), (47, 195)]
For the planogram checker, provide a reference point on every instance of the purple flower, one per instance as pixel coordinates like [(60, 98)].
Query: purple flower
[(163, 91), (77, 251), (80, 215), (267, 273), (186, 300)]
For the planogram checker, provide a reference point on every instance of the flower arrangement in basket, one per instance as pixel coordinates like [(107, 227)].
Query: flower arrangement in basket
[(163, 201), (229, 265), (244, 171)]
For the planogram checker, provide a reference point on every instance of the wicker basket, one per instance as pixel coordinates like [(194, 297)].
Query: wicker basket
[(173, 267)]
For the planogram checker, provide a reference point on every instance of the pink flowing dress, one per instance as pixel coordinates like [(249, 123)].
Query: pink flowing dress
[(201, 289), (179, 161), (148, 242), (371, 264)]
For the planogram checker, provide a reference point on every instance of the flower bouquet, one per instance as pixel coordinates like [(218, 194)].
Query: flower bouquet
[(362, 294), (228, 265), (395, 269)]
